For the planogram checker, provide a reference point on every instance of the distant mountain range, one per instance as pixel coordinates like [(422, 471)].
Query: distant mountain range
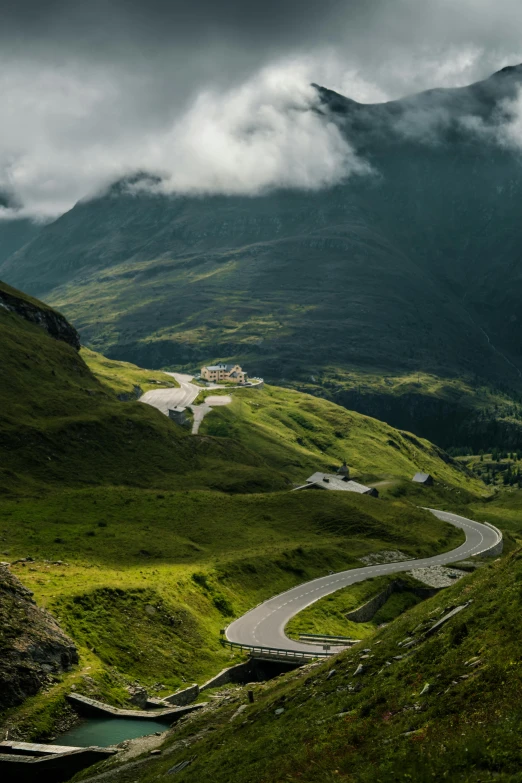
[(416, 267)]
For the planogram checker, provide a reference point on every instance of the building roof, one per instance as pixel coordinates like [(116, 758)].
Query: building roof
[(421, 478), (332, 481), (216, 367)]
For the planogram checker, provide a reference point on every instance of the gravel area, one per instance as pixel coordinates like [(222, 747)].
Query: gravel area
[(437, 576), (384, 556)]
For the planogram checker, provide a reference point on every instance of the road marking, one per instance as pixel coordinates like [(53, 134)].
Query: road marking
[(346, 578)]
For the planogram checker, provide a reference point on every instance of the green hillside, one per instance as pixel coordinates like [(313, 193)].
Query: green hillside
[(448, 707), (453, 412), (384, 275), (143, 540), (124, 378), (63, 427), (299, 434)]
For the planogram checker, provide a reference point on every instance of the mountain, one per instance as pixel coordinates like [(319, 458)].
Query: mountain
[(14, 234), (411, 269)]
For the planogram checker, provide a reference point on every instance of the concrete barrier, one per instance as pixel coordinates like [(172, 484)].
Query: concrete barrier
[(86, 706), (20, 766), (497, 548), (235, 673), (186, 696)]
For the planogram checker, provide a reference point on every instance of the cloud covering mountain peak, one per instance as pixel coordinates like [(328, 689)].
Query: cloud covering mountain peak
[(216, 96)]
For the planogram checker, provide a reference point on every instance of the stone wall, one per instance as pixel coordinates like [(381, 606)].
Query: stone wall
[(364, 613), (239, 673), (186, 696), (253, 670)]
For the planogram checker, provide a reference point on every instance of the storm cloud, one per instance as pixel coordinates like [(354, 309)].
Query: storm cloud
[(214, 95)]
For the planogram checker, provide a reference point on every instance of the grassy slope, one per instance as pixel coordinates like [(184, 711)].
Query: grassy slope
[(62, 427), (377, 727), (124, 377), (504, 511), (300, 433), (119, 508), (450, 411), (329, 614), (104, 555)]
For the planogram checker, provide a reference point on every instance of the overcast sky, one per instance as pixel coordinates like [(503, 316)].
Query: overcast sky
[(213, 94)]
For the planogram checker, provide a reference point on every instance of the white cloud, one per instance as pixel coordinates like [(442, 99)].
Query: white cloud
[(212, 118), (65, 137), (509, 133), (264, 134)]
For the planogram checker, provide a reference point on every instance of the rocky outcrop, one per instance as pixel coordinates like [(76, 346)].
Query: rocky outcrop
[(33, 647), (37, 313), (135, 394)]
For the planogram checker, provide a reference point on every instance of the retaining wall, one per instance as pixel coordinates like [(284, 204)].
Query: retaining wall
[(186, 696), (86, 706), (49, 769), (238, 673), (253, 670), (364, 613)]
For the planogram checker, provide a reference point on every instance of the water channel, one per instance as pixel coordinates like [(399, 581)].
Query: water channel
[(105, 731), (108, 731)]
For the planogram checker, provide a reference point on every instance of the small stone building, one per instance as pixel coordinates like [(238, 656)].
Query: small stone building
[(179, 415), (344, 471)]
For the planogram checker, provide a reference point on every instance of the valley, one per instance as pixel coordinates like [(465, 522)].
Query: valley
[(161, 548), (261, 392), (149, 507), (143, 541), (373, 278)]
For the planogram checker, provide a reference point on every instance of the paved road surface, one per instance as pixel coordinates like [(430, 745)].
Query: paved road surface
[(265, 624), (163, 399), (200, 411)]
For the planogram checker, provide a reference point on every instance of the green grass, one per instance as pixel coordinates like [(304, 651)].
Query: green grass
[(453, 411), (328, 615), (61, 427), (377, 727), (504, 511), (133, 508), (123, 377), (300, 433), (146, 580)]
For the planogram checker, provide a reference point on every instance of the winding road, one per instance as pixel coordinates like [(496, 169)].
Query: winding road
[(183, 397), (265, 625)]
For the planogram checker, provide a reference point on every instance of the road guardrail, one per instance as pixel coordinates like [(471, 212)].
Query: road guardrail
[(275, 652)]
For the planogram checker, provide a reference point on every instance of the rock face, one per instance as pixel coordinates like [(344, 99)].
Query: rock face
[(32, 644), (32, 310)]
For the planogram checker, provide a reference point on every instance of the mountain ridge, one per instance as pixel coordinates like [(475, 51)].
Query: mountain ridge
[(412, 268)]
